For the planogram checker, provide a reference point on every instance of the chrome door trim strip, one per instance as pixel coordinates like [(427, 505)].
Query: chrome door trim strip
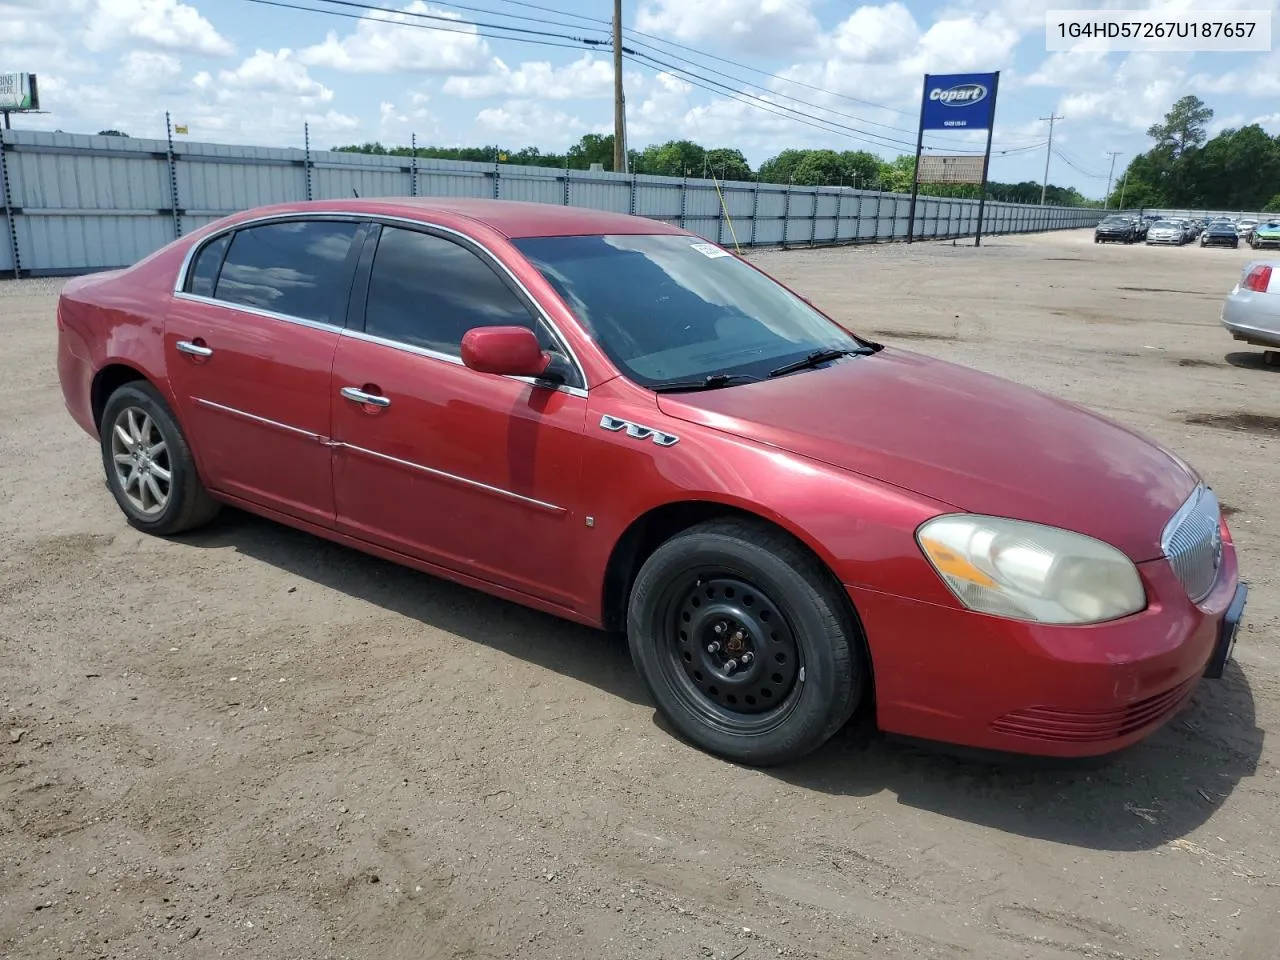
[(443, 475), (180, 279), (456, 361), (262, 420), (259, 312)]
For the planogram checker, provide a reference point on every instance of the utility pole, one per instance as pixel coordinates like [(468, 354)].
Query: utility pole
[(619, 101), (1123, 184), (1044, 186), (1106, 197)]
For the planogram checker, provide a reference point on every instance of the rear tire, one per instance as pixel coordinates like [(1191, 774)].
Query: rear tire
[(148, 463), (745, 643)]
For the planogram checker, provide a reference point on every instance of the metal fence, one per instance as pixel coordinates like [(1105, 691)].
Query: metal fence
[(75, 203)]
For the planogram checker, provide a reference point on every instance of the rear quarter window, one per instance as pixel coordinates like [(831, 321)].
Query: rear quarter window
[(204, 272)]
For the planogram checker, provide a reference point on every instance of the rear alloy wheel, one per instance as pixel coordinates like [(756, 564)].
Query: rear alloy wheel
[(744, 642), (149, 465)]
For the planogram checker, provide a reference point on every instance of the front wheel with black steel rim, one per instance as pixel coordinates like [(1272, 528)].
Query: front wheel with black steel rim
[(149, 465), (744, 642)]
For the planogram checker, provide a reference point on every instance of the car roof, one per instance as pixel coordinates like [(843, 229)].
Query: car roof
[(511, 218)]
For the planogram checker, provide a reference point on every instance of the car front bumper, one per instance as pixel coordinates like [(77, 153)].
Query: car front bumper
[(1219, 241), (1161, 239), (969, 679)]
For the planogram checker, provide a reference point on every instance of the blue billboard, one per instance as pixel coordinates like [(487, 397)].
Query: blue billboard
[(958, 101)]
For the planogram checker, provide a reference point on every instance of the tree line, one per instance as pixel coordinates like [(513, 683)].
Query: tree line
[(684, 158), (1239, 169)]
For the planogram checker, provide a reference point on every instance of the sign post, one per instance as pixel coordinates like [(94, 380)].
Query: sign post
[(957, 101)]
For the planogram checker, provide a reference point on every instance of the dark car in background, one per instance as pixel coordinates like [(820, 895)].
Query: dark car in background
[(1220, 233), (1115, 228)]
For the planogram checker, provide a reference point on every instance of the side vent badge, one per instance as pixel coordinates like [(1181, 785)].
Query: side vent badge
[(638, 431)]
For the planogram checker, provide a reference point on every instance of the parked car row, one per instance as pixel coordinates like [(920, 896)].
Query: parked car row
[(1175, 231)]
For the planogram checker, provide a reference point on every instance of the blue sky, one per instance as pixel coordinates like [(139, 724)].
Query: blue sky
[(236, 71)]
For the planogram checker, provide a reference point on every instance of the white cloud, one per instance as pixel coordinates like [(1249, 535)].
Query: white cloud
[(585, 78), (382, 43), (267, 73), (163, 24), (760, 27), (146, 70), (527, 121)]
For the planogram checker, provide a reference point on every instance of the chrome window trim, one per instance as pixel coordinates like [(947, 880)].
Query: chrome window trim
[(262, 420), (371, 217), (465, 481), (260, 312)]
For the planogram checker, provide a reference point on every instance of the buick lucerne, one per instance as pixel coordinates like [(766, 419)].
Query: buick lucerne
[(610, 419)]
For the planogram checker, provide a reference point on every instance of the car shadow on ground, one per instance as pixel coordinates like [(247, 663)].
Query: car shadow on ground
[(1252, 361), (1153, 793)]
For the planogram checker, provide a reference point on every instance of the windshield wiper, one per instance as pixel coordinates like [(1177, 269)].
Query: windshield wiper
[(815, 358), (711, 382)]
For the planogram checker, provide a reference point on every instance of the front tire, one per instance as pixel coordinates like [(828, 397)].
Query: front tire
[(148, 463), (744, 643)]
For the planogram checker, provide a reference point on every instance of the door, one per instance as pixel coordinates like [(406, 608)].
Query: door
[(249, 349), (471, 471)]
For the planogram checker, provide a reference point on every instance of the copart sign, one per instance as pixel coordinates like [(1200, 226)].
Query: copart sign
[(958, 101)]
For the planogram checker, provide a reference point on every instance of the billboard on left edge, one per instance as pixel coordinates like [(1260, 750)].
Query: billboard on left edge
[(18, 92)]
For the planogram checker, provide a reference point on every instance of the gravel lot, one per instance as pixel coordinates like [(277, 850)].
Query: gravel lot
[(251, 743)]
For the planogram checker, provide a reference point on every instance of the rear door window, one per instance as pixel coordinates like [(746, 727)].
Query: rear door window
[(296, 268)]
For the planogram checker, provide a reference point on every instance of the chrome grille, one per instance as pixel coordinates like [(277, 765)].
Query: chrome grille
[(1192, 540)]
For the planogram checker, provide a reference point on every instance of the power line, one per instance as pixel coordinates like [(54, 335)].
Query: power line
[(1067, 161), (371, 7), (576, 43), (462, 6), (565, 41)]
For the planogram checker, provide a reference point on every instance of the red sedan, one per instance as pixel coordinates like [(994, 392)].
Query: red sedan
[(612, 420)]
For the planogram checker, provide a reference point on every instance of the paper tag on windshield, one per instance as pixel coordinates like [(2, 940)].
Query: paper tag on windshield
[(710, 250)]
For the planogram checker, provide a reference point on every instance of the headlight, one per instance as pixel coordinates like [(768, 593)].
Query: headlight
[(1028, 571)]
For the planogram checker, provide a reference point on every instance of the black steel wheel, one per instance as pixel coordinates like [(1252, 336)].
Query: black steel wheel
[(149, 467), (744, 643)]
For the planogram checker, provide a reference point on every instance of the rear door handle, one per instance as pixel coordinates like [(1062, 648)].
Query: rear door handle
[(195, 349), (356, 395)]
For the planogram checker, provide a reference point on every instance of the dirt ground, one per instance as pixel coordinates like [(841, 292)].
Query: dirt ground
[(251, 743)]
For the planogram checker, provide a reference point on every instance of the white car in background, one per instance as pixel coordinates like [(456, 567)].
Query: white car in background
[(1166, 231), (1251, 311)]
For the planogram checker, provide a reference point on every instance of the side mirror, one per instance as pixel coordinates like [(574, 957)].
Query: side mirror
[(508, 351)]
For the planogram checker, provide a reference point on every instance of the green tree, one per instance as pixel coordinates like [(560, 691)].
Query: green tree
[(592, 148), (728, 164), (1273, 205), (675, 158), (1183, 126), (1237, 169)]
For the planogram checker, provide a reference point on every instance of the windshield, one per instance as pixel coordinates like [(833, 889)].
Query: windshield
[(1165, 225), (667, 307), (1117, 220)]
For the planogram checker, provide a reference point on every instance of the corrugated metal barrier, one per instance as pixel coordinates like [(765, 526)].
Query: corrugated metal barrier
[(75, 203)]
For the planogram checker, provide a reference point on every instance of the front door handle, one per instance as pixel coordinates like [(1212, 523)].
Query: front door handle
[(356, 395), (195, 349)]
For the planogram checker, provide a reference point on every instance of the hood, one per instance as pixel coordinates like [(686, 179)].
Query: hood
[(978, 442)]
